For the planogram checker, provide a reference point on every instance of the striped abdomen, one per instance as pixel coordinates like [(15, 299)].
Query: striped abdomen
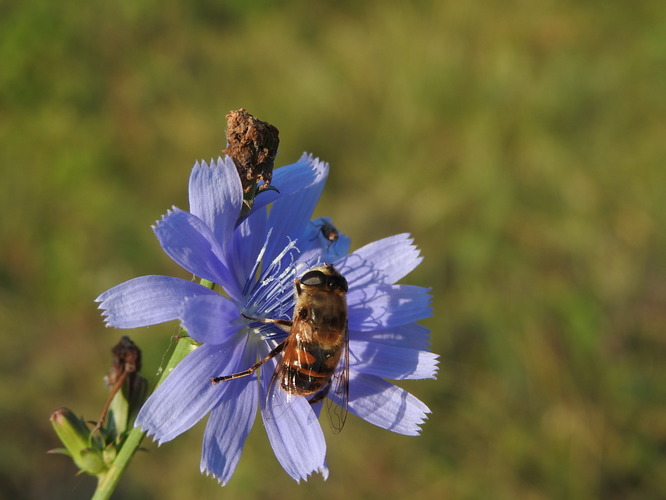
[(309, 366)]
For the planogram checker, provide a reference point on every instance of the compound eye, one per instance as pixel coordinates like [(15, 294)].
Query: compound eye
[(338, 282), (314, 278)]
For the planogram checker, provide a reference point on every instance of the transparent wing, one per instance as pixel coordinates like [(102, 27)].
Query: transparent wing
[(338, 396), (292, 428), (276, 398)]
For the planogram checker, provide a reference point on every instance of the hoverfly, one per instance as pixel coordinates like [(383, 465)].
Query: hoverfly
[(317, 343)]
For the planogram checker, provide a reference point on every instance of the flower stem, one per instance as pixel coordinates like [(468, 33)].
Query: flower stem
[(108, 481)]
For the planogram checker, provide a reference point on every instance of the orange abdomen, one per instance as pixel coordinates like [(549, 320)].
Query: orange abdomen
[(309, 366)]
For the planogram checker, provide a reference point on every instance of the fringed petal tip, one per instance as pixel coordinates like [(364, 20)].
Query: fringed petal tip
[(101, 305), (105, 319), (426, 411), (218, 162), (223, 161), (169, 213), (390, 362), (99, 300), (150, 432), (153, 432), (323, 470), (435, 368), (212, 475), (385, 405), (384, 261), (411, 249), (413, 428), (147, 300), (319, 167), (408, 241), (428, 367)]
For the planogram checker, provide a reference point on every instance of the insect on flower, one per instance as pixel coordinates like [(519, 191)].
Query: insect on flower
[(329, 231), (347, 349), (317, 343)]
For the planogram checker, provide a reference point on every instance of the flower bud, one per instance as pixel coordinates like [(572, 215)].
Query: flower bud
[(127, 402), (75, 435)]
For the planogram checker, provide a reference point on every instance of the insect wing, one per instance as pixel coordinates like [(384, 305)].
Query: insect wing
[(338, 397), (277, 401), (290, 422)]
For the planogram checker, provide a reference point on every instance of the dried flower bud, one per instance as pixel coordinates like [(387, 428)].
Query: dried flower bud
[(126, 360), (252, 145), (128, 388)]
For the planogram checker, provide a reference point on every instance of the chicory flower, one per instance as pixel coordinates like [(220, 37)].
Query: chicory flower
[(254, 262)]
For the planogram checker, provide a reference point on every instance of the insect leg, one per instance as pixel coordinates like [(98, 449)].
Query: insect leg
[(283, 324), (278, 348)]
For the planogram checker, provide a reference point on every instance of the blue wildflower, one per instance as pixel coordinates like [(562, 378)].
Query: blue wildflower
[(255, 262)]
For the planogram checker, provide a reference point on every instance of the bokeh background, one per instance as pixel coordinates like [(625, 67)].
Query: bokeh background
[(522, 143)]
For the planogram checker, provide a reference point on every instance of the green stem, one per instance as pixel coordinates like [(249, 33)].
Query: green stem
[(108, 481)]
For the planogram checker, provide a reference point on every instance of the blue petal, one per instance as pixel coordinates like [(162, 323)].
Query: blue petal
[(216, 196), (189, 242), (147, 300), (383, 261), (385, 306), (411, 336), (391, 362), (229, 425), (187, 394), (384, 404), (287, 180), (211, 319), (248, 240), (314, 241), (337, 249), (293, 429), (289, 215)]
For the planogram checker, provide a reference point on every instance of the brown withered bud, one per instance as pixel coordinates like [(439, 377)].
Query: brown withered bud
[(125, 367), (252, 144), (126, 360)]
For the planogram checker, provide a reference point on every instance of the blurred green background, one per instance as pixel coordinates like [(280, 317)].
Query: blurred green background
[(522, 143)]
